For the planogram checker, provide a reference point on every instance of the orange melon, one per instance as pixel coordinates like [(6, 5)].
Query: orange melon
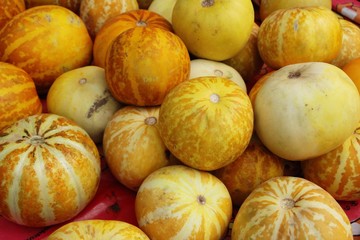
[(38, 41), (143, 64), (119, 24), (18, 95)]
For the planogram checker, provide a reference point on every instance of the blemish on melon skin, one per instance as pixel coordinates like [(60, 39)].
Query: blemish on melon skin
[(207, 3), (98, 104), (48, 17), (73, 20), (296, 25)]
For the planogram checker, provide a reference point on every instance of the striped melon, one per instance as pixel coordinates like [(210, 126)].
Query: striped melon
[(49, 170), (18, 95), (46, 41), (206, 122), (290, 208), (179, 202), (132, 145), (284, 36), (254, 166), (143, 64), (98, 229), (119, 24), (338, 171), (350, 47)]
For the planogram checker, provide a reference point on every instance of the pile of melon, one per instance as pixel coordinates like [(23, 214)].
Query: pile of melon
[(227, 119)]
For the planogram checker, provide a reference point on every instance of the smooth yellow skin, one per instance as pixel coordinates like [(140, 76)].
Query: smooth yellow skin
[(298, 118), (83, 96), (217, 31)]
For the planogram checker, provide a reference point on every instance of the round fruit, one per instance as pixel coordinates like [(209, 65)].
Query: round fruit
[(96, 13), (290, 208), (352, 69), (143, 64), (203, 67), (178, 202), (10, 8), (90, 103), (132, 145), (18, 95), (37, 40), (338, 171), (213, 29), (294, 35), (98, 229), (206, 122), (350, 47), (49, 170), (305, 110), (269, 6), (119, 24), (254, 166)]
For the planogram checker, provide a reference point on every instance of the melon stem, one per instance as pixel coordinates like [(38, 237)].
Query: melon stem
[(141, 23), (214, 98), (37, 140), (201, 199), (82, 81), (150, 121), (287, 203)]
